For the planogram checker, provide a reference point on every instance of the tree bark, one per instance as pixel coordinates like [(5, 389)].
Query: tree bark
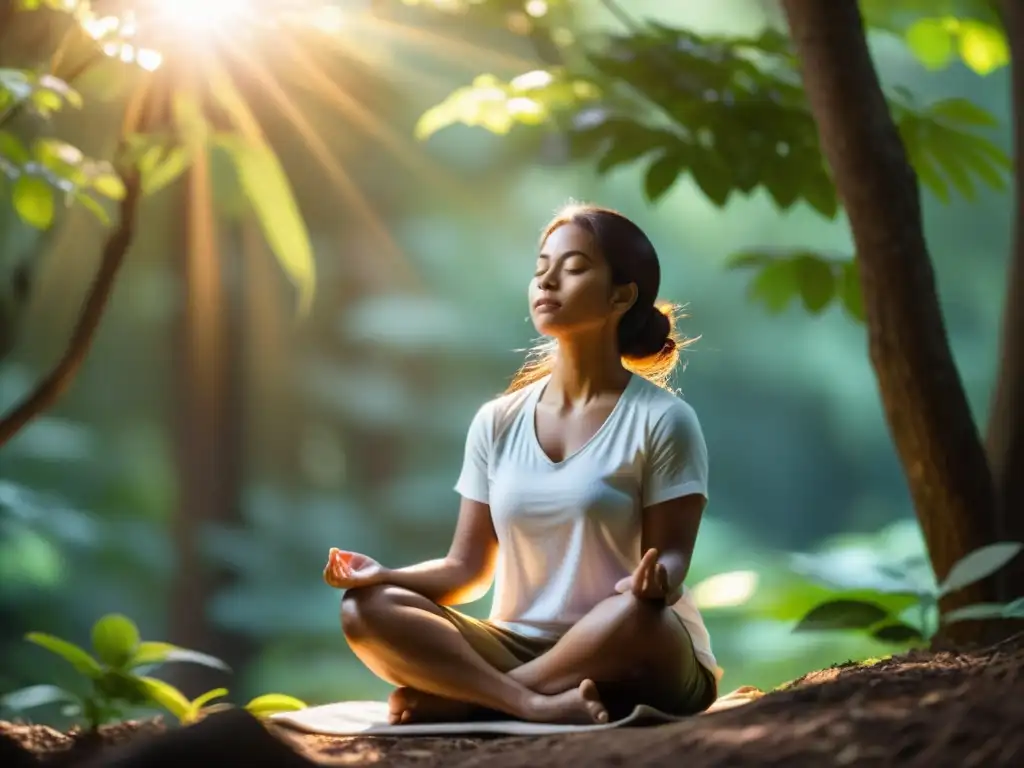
[(1005, 436), (207, 427), (924, 401)]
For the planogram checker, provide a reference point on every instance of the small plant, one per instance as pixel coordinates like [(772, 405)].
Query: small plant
[(187, 712), (920, 619), (116, 676), (115, 672)]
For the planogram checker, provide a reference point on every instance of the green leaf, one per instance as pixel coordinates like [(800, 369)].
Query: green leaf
[(115, 638), (77, 657), (37, 696), (979, 564), (167, 696), (816, 281), (849, 290), (153, 652), (983, 47), (33, 201), (110, 185), (164, 172), (774, 286), (268, 190), (931, 42), (662, 174), (625, 148), (91, 205), (201, 701), (963, 112), (842, 615), (976, 612), (271, 703), (898, 632), (712, 175), (1014, 609), (12, 149)]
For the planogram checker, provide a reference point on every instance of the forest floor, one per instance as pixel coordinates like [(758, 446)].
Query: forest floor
[(931, 710)]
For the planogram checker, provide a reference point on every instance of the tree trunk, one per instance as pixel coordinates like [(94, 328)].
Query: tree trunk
[(1005, 439), (925, 405), (208, 432)]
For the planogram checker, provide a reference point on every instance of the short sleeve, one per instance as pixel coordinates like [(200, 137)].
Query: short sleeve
[(677, 460), (474, 480)]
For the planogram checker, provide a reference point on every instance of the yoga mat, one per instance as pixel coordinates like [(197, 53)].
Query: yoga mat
[(370, 718)]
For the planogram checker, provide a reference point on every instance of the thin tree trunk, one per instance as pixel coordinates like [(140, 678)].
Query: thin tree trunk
[(924, 401), (1005, 438), (207, 427)]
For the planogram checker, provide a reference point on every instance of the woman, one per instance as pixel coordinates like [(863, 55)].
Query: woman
[(582, 491)]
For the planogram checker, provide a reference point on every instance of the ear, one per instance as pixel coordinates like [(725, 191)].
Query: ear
[(623, 297)]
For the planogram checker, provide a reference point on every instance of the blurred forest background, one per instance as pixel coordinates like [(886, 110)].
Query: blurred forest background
[(210, 411)]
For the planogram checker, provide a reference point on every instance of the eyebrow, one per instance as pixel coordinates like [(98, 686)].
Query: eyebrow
[(567, 254)]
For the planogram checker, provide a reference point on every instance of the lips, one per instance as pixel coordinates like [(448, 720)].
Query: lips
[(540, 304)]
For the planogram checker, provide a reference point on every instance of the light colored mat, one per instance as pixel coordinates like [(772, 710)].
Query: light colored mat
[(370, 718)]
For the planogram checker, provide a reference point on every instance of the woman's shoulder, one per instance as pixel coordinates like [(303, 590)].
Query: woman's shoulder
[(499, 412), (661, 403)]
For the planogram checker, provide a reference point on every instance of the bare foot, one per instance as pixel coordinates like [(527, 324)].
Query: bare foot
[(577, 706), (408, 705)]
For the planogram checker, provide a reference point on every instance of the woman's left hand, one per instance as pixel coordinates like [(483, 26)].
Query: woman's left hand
[(649, 582)]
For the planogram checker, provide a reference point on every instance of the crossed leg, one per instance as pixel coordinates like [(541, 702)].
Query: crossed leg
[(622, 643)]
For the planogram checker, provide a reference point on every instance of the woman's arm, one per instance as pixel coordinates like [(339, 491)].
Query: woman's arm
[(465, 574), (671, 528)]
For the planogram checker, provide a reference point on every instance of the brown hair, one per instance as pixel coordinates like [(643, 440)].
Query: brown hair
[(648, 341)]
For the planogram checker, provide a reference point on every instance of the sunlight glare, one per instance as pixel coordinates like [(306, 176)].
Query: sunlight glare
[(726, 590), (203, 15)]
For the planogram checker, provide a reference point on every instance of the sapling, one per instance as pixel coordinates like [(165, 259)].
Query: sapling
[(921, 619)]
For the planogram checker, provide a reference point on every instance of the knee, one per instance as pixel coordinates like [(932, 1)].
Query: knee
[(629, 614), (365, 611), (362, 609)]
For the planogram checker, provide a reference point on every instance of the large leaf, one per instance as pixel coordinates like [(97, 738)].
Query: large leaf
[(267, 188), (842, 615), (154, 652), (77, 657), (115, 639), (978, 565)]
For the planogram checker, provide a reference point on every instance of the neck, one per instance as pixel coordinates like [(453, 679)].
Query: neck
[(584, 368)]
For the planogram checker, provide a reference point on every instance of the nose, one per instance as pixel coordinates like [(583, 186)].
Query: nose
[(547, 281)]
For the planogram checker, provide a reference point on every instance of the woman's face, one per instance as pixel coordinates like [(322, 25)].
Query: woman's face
[(572, 288)]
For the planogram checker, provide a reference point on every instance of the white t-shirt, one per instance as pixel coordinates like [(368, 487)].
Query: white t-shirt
[(568, 531)]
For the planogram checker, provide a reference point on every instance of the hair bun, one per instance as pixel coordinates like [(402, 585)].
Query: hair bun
[(652, 337)]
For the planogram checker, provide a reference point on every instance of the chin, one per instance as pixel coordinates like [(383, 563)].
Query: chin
[(547, 325)]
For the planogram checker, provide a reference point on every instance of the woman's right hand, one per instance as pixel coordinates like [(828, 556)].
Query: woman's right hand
[(347, 570)]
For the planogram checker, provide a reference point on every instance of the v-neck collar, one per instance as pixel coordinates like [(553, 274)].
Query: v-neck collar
[(531, 416)]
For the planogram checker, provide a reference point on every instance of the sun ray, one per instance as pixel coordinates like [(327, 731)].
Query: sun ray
[(452, 49), (403, 148), (399, 266)]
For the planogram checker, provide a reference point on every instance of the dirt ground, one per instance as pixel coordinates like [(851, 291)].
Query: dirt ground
[(961, 709)]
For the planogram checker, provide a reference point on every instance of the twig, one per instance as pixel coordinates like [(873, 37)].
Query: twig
[(49, 390)]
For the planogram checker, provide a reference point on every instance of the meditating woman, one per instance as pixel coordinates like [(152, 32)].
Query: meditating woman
[(582, 490)]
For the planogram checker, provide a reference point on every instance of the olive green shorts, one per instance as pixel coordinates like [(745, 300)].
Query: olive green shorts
[(505, 649)]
